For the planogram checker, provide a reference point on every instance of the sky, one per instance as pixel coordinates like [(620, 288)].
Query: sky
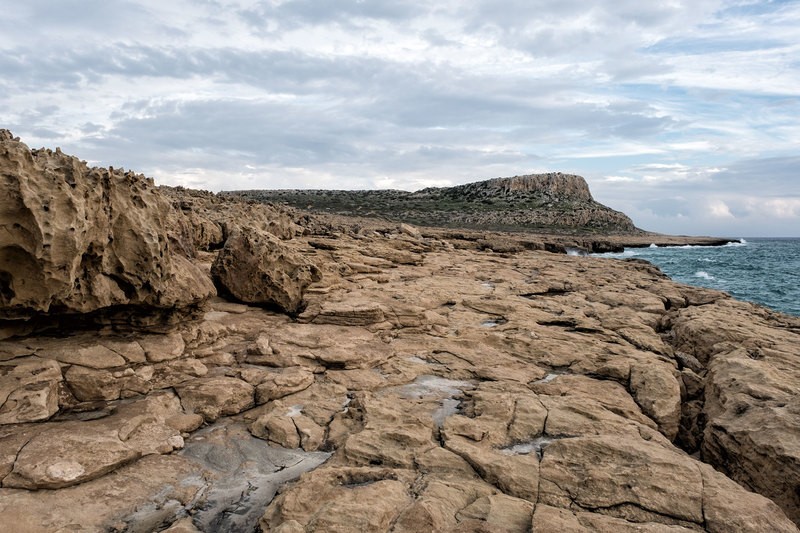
[(684, 114)]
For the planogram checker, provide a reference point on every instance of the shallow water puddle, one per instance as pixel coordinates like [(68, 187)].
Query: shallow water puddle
[(427, 386), (295, 410), (449, 407), (536, 446), (547, 379), (437, 387)]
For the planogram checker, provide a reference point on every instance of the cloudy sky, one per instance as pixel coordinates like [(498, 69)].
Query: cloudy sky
[(685, 114)]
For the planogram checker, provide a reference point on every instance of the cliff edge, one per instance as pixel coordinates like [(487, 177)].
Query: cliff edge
[(549, 203)]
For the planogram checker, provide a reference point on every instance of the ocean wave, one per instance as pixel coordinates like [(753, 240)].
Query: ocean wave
[(741, 242), (617, 255), (576, 251), (705, 275)]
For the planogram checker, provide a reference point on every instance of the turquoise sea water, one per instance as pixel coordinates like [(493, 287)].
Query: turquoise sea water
[(765, 271)]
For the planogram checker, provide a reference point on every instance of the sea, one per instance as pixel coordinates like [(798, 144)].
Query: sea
[(761, 270)]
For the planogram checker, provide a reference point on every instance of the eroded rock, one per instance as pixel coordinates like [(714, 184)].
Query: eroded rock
[(257, 268), (82, 239)]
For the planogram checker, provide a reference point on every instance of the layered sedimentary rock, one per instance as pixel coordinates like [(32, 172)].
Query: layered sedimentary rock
[(473, 391), (105, 246), (426, 383)]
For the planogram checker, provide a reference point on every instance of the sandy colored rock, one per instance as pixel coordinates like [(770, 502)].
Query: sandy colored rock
[(588, 473), (657, 391), (360, 499), (83, 239), (29, 391), (158, 348), (43, 463), (500, 512), (216, 396), (256, 268), (149, 483), (88, 384), (442, 381), (276, 385), (751, 419)]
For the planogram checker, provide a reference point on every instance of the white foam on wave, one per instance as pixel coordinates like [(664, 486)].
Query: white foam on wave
[(618, 255), (705, 275), (741, 242), (653, 245)]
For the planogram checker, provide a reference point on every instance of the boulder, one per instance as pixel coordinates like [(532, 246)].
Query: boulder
[(62, 456), (255, 267)]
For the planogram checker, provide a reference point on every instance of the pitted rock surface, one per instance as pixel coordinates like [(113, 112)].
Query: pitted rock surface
[(79, 239), (425, 382)]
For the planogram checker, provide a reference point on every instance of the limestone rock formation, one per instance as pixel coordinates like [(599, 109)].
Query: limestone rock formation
[(554, 186), (255, 267), (78, 239), (552, 202), (200, 220), (425, 381), (747, 422)]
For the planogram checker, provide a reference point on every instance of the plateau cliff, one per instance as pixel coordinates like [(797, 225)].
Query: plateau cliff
[(555, 202)]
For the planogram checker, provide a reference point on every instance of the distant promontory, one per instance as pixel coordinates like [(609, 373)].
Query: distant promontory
[(552, 203)]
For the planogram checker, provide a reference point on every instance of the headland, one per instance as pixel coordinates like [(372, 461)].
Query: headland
[(175, 360)]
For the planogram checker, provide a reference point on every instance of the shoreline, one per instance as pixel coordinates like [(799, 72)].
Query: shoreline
[(237, 366)]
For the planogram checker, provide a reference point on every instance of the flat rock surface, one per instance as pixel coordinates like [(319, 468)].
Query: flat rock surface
[(426, 382)]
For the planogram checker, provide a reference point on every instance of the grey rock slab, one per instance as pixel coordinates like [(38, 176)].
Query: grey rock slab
[(246, 474)]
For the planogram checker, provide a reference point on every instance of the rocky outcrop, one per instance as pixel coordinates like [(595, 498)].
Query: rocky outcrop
[(77, 240), (255, 267), (424, 382), (466, 391), (552, 187), (202, 221), (552, 202), (742, 415)]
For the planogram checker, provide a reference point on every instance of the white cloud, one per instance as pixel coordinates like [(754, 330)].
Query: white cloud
[(677, 101), (718, 208)]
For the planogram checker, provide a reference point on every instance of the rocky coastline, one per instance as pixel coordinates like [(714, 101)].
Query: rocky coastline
[(174, 360)]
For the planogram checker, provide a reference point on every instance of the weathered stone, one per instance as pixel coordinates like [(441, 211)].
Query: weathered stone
[(279, 384), (216, 396), (359, 499), (255, 267), (457, 389), (91, 356), (89, 385), (158, 348), (500, 512), (83, 239), (658, 393), (43, 464), (29, 391), (588, 473), (516, 475)]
